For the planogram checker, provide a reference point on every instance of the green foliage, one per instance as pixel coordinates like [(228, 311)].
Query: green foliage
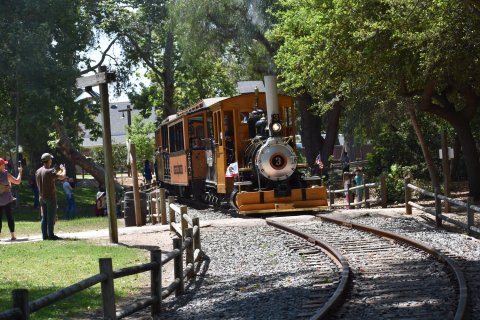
[(119, 155), (396, 143), (395, 182), (141, 134), (40, 49)]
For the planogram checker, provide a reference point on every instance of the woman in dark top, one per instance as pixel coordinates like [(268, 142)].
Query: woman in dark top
[(6, 197)]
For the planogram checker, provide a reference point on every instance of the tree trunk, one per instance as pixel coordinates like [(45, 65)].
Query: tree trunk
[(426, 153), (455, 163), (71, 153), (470, 153), (460, 120), (311, 129), (168, 76), (333, 119)]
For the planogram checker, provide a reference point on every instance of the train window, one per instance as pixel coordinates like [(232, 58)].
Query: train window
[(244, 117), (209, 125), (164, 131), (176, 137), (217, 127), (287, 116), (196, 126)]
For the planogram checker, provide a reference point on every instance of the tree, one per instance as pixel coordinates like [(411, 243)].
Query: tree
[(243, 40), (390, 50), (141, 134), (39, 55)]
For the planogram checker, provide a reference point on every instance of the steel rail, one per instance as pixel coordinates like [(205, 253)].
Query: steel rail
[(336, 256), (462, 284)]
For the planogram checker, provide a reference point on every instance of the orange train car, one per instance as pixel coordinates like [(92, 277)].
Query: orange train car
[(240, 150)]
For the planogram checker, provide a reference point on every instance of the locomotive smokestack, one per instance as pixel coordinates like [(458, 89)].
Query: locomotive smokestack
[(272, 97)]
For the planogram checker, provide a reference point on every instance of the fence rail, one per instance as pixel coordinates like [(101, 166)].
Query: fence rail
[(188, 242), (437, 210), (366, 201)]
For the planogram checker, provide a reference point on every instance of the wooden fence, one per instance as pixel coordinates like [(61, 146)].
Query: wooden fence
[(365, 201), (437, 210), (157, 206), (188, 242)]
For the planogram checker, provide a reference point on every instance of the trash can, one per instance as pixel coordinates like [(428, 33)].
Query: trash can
[(129, 209)]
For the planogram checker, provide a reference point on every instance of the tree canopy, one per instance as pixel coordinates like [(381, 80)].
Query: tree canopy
[(387, 50)]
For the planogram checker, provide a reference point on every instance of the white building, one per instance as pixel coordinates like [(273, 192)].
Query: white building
[(118, 123)]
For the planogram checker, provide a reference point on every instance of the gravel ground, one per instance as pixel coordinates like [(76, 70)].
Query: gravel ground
[(249, 274)]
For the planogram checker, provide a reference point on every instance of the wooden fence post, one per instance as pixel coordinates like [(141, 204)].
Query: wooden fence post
[(156, 282), (171, 212), (108, 290), (178, 267), (196, 237), (438, 208), (383, 190), (349, 195), (20, 300), (189, 253), (162, 206), (157, 205), (367, 195), (153, 209), (470, 215), (331, 196), (184, 223), (408, 196)]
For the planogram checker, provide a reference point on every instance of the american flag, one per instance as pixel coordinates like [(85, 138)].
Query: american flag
[(318, 161)]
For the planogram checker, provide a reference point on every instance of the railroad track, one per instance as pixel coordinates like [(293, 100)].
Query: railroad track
[(391, 276)]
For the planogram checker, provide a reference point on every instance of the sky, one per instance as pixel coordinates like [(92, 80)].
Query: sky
[(115, 52)]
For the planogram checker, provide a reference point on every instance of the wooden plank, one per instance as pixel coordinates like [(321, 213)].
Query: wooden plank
[(93, 80)]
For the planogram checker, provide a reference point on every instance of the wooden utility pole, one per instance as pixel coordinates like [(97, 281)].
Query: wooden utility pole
[(107, 149), (446, 169), (101, 79)]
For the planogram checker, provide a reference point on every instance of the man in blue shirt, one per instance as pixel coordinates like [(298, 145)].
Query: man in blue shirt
[(68, 189)]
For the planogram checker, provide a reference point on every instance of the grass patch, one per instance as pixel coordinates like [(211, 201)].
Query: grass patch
[(47, 266), (27, 218)]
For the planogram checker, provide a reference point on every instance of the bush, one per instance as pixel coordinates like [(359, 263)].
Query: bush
[(395, 181)]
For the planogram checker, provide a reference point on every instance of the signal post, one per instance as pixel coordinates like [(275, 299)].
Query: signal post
[(101, 79)]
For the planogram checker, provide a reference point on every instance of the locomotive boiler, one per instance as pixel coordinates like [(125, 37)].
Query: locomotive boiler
[(239, 150)]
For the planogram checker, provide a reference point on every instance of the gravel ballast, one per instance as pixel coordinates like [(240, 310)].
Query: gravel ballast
[(249, 273)]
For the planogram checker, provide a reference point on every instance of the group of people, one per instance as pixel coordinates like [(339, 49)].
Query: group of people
[(44, 183)]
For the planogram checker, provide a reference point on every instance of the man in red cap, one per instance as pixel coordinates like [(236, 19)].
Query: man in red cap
[(46, 177)]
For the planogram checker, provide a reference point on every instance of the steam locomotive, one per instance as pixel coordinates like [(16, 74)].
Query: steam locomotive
[(239, 150)]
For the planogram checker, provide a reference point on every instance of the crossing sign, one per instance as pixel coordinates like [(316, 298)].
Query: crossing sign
[(93, 80)]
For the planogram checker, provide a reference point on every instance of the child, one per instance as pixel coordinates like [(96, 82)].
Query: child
[(358, 179)]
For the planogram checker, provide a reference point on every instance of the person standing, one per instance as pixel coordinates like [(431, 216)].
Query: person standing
[(147, 172), (358, 179), (6, 197), (46, 177), (70, 197), (32, 182)]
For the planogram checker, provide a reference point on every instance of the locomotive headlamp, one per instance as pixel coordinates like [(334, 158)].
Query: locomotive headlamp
[(276, 127)]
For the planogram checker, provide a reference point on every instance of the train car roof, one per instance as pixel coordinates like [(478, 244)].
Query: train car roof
[(202, 104)]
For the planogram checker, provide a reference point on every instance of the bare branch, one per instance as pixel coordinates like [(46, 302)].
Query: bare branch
[(104, 55)]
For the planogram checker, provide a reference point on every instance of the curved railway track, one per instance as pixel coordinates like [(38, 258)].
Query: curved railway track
[(378, 274)]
